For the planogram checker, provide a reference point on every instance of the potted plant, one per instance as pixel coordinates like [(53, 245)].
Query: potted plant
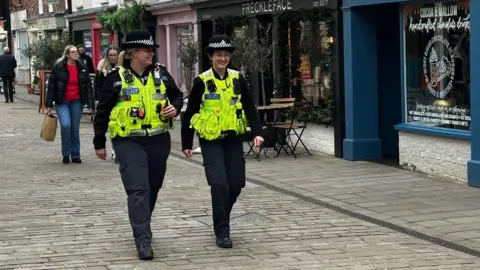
[(43, 54), (36, 83), (188, 51)]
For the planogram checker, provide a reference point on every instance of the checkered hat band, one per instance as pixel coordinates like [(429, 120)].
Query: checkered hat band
[(148, 42), (222, 44)]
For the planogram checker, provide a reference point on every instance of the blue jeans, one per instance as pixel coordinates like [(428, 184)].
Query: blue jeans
[(69, 115)]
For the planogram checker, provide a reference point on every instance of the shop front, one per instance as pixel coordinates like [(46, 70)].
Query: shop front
[(305, 64), (20, 41), (88, 32), (407, 88), (45, 27), (175, 25)]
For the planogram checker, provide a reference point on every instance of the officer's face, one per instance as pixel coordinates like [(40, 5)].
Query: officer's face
[(220, 59), (144, 56)]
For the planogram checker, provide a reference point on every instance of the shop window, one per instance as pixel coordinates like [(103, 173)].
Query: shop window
[(437, 68), (314, 77), (87, 42), (184, 33), (104, 43), (22, 44)]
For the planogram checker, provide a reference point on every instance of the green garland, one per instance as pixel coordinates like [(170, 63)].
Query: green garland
[(323, 114), (125, 19)]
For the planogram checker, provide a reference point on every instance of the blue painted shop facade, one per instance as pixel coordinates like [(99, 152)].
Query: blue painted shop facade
[(408, 74)]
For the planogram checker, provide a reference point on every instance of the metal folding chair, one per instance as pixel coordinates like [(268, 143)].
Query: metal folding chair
[(295, 128)]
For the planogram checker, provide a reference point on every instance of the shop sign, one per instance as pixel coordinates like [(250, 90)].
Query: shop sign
[(252, 8), (437, 45), (47, 23), (54, 2)]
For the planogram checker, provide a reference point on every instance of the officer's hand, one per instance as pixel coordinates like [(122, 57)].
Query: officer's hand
[(91, 111), (188, 153), (49, 111), (258, 141), (101, 153), (169, 111)]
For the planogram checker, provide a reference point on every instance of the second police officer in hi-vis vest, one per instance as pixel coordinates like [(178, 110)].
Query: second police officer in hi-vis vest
[(219, 109), (137, 104)]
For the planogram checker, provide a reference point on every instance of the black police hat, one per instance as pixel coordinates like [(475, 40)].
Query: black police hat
[(139, 39), (219, 43)]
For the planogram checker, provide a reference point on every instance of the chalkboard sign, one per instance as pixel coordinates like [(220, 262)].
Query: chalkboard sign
[(44, 77)]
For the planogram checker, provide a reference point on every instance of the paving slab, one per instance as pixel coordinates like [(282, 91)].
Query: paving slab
[(57, 216)]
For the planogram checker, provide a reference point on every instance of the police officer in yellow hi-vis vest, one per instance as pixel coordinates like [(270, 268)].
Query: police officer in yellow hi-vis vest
[(219, 109), (138, 101)]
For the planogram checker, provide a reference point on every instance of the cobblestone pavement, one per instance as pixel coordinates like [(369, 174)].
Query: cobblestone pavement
[(56, 216)]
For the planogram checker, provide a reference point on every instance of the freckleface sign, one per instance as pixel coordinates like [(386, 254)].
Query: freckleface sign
[(252, 8)]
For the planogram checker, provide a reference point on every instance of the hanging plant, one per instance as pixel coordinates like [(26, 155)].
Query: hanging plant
[(125, 19)]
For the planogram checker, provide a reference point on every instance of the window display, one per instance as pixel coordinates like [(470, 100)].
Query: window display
[(87, 42), (314, 68), (184, 33), (437, 68)]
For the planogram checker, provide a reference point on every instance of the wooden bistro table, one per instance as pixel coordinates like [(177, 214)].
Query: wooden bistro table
[(272, 137)]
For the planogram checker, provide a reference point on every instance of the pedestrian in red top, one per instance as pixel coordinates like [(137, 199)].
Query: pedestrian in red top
[(70, 88)]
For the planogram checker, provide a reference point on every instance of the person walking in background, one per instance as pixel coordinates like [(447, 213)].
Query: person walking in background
[(137, 104), (86, 59), (7, 73), (218, 108), (70, 87), (104, 66)]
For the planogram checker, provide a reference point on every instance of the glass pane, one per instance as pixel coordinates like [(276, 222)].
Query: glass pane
[(22, 44), (437, 68), (87, 42), (184, 33), (314, 68)]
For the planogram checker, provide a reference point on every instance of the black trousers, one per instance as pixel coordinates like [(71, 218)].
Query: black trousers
[(143, 163), (8, 88), (225, 171)]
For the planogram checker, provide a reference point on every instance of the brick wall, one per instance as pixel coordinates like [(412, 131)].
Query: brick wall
[(434, 155), (318, 138), (32, 7)]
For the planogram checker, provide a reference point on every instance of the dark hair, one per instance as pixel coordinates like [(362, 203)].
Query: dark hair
[(80, 46)]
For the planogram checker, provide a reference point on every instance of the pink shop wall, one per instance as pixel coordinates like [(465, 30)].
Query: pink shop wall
[(173, 22)]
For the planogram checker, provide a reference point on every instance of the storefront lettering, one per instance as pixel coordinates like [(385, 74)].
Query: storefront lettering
[(440, 115), (438, 11), (268, 6), (439, 18)]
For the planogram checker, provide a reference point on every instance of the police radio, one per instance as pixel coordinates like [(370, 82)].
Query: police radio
[(211, 86), (237, 88)]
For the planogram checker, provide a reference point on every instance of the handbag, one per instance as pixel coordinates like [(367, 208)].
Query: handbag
[(49, 128)]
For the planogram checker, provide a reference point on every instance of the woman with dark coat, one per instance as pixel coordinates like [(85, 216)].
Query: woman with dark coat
[(70, 88)]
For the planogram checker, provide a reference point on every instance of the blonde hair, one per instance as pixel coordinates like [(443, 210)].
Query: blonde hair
[(125, 57), (66, 51), (106, 65)]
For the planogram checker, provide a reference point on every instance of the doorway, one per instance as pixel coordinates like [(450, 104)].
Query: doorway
[(389, 80)]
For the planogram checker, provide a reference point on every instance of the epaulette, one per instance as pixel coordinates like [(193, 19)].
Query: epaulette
[(160, 66), (112, 70)]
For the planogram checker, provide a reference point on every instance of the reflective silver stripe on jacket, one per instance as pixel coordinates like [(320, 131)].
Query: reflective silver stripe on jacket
[(150, 132)]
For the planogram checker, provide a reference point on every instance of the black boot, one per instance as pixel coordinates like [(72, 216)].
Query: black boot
[(224, 242), (76, 160), (66, 160), (145, 252)]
